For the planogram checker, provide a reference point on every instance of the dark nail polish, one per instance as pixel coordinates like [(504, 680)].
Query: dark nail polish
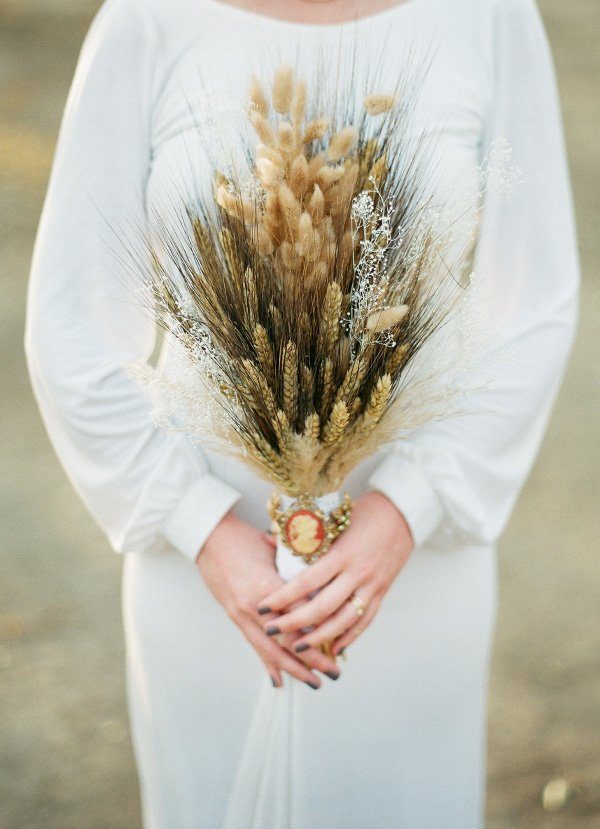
[(274, 681), (312, 684), (271, 631), (341, 651), (303, 647), (262, 610), (332, 675)]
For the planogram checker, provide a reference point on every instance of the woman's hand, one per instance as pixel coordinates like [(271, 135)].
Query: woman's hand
[(238, 565), (365, 559)]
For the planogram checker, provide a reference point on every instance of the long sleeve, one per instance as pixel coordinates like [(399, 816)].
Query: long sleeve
[(462, 476), (148, 489)]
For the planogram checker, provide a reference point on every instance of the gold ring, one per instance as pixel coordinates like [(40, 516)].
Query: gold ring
[(358, 604)]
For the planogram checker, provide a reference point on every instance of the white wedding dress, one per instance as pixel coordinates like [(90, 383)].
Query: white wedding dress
[(398, 742)]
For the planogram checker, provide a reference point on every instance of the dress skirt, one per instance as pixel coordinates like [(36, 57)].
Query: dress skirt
[(397, 742)]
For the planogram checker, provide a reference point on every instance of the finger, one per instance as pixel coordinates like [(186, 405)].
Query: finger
[(276, 654), (344, 618), (315, 576), (266, 619), (313, 657), (316, 660), (357, 628), (314, 612), (273, 672)]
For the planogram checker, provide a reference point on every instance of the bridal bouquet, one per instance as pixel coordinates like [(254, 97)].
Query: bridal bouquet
[(301, 294)]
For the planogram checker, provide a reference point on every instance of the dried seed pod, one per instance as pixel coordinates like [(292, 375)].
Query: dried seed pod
[(341, 143), (327, 388), (234, 205), (259, 388), (327, 176), (281, 427), (258, 99), (316, 205), (378, 104), (263, 129), (264, 241), (262, 151), (375, 409), (273, 217), (286, 255), (268, 173), (355, 407), (287, 138), (251, 296), (338, 420), (315, 130), (313, 248), (305, 233), (264, 351), (290, 382), (383, 320), (299, 176), (378, 400), (397, 358), (283, 86), (228, 248), (321, 270), (308, 385), (264, 455), (276, 320), (298, 105), (312, 426), (379, 169), (330, 319), (290, 207), (345, 191), (352, 380), (314, 165)]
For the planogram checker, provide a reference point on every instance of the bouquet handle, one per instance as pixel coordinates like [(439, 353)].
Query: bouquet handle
[(305, 528)]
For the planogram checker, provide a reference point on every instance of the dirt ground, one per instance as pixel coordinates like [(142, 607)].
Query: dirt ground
[(65, 755)]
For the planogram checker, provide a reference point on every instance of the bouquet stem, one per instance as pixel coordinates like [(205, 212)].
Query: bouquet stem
[(306, 527)]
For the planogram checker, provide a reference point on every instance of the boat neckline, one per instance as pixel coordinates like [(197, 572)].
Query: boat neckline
[(268, 20)]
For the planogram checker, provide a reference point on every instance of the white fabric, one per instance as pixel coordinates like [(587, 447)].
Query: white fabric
[(399, 740)]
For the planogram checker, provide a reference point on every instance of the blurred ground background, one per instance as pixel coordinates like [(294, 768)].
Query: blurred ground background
[(65, 755)]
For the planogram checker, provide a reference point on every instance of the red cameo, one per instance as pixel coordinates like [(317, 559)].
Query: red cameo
[(305, 532)]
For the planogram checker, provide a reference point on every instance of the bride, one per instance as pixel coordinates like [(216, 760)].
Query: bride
[(238, 718)]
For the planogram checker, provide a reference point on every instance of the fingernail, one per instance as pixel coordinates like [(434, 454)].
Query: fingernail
[(272, 630), (303, 647), (309, 629), (262, 610), (332, 675), (312, 684), (341, 651), (274, 681)]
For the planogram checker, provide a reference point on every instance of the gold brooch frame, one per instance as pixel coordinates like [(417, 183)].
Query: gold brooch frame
[(332, 523)]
